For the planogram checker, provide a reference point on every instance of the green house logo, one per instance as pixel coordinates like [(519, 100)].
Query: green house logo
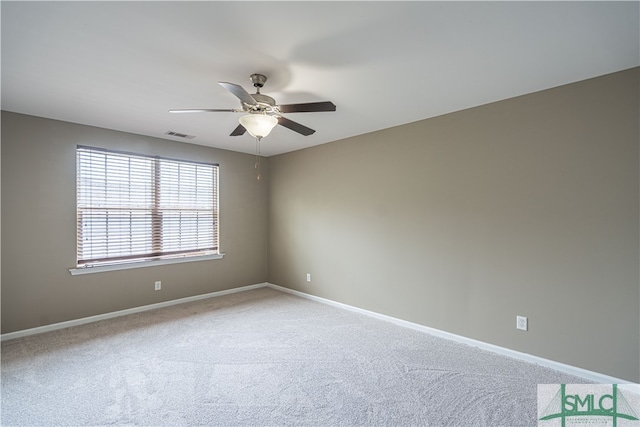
[(586, 405)]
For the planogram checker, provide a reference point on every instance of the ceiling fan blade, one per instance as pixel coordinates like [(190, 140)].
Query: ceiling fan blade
[(296, 127), (309, 107), (240, 130), (239, 91), (205, 110)]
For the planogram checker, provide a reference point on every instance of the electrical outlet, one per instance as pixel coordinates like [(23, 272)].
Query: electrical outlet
[(521, 323), (308, 277), (158, 285)]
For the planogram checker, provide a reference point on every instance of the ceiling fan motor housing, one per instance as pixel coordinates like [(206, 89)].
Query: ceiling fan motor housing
[(264, 102)]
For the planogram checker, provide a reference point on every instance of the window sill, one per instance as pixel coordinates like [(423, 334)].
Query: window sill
[(140, 264)]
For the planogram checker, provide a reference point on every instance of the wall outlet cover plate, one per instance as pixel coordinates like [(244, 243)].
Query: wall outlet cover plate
[(521, 323)]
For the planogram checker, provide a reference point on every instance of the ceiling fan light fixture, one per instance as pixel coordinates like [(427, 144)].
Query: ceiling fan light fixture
[(258, 125)]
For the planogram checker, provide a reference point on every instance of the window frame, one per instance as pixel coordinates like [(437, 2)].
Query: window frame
[(153, 257)]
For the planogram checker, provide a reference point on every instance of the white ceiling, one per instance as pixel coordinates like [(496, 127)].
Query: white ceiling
[(122, 65)]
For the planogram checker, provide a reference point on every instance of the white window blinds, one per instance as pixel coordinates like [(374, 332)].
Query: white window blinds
[(132, 207)]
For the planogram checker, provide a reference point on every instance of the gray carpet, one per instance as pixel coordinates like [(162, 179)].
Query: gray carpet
[(261, 358)]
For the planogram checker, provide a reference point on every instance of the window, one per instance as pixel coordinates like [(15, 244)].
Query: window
[(132, 208)]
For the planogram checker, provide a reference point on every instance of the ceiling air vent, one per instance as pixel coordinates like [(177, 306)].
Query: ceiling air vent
[(179, 135)]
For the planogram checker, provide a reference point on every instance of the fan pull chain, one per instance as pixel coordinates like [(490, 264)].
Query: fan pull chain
[(257, 164)]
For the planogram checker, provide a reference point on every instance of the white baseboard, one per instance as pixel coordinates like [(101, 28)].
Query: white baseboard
[(105, 316), (591, 376)]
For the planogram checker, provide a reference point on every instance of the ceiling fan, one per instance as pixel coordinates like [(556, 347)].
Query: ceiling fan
[(263, 112)]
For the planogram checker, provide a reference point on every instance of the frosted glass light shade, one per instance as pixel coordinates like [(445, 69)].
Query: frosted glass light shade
[(258, 125)]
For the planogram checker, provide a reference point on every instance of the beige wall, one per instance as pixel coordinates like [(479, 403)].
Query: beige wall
[(38, 224), (527, 206)]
